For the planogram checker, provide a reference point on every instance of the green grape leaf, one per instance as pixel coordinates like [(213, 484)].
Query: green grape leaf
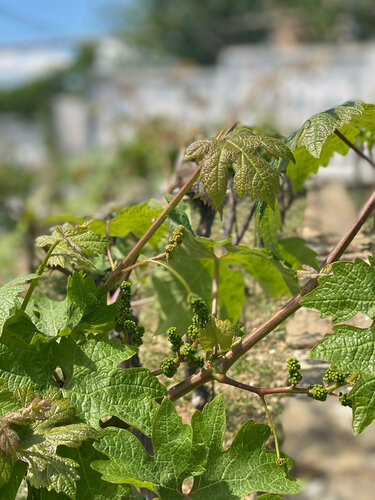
[(25, 358), (268, 222), (77, 243), (294, 251), (316, 130), (90, 486), (244, 467), (175, 456), (316, 142), (217, 332), (194, 261), (9, 490), (89, 309), (49, 316), (273, 277), (7, 402), (348, 348), (8, 296), (362, 397), (136, 219), (350, 290), (97, 387), (240, 148), (351, 348), (32, 435)]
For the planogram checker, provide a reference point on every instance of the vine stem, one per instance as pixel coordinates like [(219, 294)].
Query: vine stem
[(260, 391), (270, 423), (135, 251), (222, 365), (354, 148), (146, 261), (39, 272)]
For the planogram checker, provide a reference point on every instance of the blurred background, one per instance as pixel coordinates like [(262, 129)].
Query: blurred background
[(98, 99)]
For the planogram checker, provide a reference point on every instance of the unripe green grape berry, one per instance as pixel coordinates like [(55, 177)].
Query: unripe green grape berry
[(198, 360), (174, 338), (168, 367), (129, 325), (280, 461), (343, 398), (294, 377), (192, 331), (293, 364)]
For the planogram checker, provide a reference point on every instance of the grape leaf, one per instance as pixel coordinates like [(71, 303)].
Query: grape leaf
[(315, 131), (42, 426), (316, 142), (273, 277), (49, 316), (90, 311), (90, 486), (25, 358), (97, 387), (9, 490), (350, 290), (253, 174), (244, 467), (362, 397), (8, 296), (268, 222), (294, 251), (348, 348), (77, 243), (217, 332), (194, 261), (269, 496), (175, 456), (136, 219)]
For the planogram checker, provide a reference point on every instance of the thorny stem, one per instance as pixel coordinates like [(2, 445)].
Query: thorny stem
[(39, 272), (354, 148), (247, 342)]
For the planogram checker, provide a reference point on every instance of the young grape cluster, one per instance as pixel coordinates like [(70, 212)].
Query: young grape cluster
[(174, 339), (201, 315), (168, 367), (294, 373), (185, 351), (344, 400), (174, 241), (123, 321), (318, 392), (336, 376)]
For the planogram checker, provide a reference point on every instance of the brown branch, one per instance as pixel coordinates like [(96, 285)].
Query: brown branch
[(142, 262), (261, 390), (354, 148), (223, 364), (135, 251)]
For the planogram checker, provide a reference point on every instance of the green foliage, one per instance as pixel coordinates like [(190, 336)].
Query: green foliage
[(136, 219), (9, 294), (348, 291), (97, 387), (253, 174), (217, 333), (182, 451), (316, 142), (66, 380), (32, 434), (76, 243)]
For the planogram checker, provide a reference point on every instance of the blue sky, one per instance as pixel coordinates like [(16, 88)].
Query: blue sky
[(28, 20)]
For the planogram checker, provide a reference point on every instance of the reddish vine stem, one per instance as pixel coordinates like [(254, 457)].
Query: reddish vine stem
[(223, 364), (261, 390), (135, 251), (354, 148)]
